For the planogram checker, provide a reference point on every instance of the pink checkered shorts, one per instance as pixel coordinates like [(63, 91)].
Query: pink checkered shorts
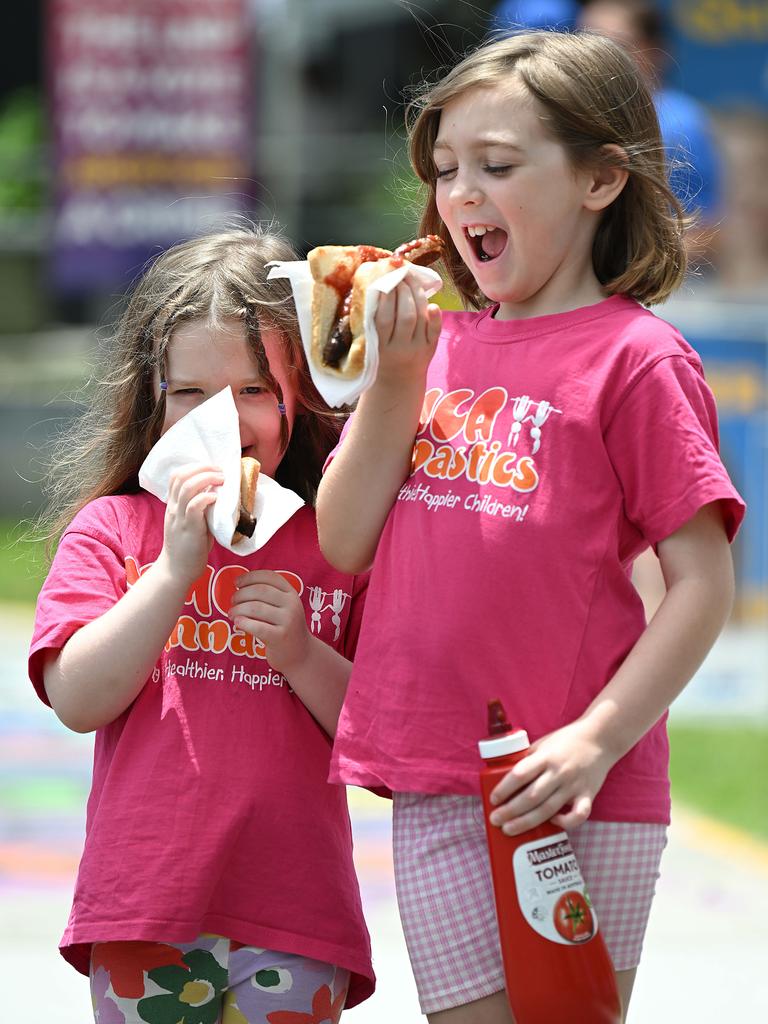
[(445, 892)]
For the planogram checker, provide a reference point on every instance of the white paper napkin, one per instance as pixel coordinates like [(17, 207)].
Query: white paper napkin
[(337, 390), (210, 435)]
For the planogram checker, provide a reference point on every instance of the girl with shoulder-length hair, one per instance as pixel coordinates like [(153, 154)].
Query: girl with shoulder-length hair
[(593, 102), (501, 476)]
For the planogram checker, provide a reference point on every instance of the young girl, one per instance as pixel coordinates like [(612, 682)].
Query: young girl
[(558, 432), (217, 881)]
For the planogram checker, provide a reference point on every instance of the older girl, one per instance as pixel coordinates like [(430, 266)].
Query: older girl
[(501, 477)]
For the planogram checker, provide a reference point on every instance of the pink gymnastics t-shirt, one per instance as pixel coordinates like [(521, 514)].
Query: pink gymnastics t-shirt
[(210, 809), (551, 452)]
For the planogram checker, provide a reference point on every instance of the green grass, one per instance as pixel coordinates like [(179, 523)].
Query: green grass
[(43, 795), (721, 769), (22, 563)]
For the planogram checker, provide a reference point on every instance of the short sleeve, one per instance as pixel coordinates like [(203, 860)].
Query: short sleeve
[(87, 578), (359, 591), (663, 444)]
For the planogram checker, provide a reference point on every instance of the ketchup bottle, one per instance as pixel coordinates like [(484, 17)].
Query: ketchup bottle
[(556, 966)]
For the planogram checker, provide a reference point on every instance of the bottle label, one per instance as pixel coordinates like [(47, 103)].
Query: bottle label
[(551, 892)]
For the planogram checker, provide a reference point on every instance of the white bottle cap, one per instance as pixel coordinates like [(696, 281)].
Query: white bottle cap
[(509, 743)]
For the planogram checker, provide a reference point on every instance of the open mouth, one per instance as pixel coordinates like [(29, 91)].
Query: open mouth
[(486, 241)]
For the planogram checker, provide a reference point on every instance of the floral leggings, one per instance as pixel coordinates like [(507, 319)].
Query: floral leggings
[(212, 981)]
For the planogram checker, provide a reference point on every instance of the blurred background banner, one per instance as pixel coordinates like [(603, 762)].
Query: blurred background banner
[(721, 49), (737, 372), (151, 130)]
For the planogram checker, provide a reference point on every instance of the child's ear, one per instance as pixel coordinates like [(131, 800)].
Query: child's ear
[(608, 178)]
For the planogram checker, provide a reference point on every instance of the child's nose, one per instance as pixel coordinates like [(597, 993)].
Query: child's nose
[(466, 189)]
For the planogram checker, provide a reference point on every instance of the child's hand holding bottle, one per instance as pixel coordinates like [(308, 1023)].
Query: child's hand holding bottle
[(557, 781)]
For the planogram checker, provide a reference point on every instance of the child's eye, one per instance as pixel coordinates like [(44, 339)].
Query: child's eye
[(187, 391), (497, 168), (446, 173), (254, 389)]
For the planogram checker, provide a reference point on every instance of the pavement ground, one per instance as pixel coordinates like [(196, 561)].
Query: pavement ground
[(706, 949)]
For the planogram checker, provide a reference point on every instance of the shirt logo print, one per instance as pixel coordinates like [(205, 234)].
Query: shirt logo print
[(317, 602)]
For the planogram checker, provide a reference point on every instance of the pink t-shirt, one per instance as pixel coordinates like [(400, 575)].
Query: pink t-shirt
[(551, 452), (210, 810)]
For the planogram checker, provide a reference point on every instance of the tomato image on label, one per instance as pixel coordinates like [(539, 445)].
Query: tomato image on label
[(573, 917)]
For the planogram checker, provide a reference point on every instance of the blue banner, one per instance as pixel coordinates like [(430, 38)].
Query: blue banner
[(719, 50), (732, 340)]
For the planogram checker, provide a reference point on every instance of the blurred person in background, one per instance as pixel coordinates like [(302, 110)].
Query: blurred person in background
[(695, 166), (686, 127), (743, 240)]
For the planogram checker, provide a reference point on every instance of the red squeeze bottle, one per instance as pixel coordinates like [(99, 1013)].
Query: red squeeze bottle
[(556, 966)]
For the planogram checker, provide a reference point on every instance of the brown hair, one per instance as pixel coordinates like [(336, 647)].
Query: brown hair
[(218, 276), (591, 95)]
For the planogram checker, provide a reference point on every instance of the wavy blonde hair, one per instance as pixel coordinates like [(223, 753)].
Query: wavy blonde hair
[(591, 95), (215, 277)]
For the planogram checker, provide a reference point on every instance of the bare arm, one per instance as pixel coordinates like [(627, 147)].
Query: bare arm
[(569, 766), (104, 666), (320, 679), (698, 572), (362, 482)]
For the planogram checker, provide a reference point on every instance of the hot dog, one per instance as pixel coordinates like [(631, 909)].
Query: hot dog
[(341, 275), (249, 475)]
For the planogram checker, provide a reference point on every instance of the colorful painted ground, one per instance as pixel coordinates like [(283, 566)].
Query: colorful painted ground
[(45, 778), (708, 920)]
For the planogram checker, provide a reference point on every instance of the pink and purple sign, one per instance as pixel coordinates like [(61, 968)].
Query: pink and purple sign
[(150, 104)]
